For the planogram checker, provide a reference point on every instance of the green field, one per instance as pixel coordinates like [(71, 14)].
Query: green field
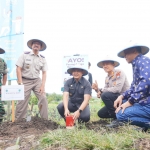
[(80, 138), (95, 105), (96, 138)]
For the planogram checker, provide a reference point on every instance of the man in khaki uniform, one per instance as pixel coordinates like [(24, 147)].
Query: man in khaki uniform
[(115, 83), (29, 65)]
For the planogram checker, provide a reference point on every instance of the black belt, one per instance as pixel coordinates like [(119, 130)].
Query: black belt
[(77, 100)]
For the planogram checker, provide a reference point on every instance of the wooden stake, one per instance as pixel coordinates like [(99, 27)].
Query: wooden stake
[(8, 105), (13, 111)]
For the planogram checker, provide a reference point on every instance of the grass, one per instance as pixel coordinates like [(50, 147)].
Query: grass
[(83, 139), (54, 115), (80, 138)]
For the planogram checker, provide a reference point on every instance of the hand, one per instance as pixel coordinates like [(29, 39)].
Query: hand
[(99, 94), (123, 107), (76, 115), (67, 113), (95, 86), (42, 90), (20, 83), (118, 101)]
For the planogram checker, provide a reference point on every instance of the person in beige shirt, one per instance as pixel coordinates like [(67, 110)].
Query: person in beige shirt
[(29, 66), (115, 83)]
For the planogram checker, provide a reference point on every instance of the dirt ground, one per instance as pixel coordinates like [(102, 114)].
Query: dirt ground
[(96, 125), (142, 144), (28, 133)]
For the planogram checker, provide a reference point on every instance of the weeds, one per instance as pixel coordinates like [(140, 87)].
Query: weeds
[(89, 140), (81, 138)]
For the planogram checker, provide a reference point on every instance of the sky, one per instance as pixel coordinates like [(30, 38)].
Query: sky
[(93, 27)]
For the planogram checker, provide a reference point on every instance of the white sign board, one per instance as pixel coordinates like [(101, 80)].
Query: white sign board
[(70, 61), (12, 92)]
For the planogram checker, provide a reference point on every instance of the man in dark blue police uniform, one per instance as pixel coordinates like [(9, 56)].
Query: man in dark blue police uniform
[(76, 96)]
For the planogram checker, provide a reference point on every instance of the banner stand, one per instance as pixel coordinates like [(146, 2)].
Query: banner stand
[(13, 111), (70, 61), (11, 39), (8, 105), (12, 93)]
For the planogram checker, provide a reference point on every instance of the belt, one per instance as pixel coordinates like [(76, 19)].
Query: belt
[(77, 100), (29, 78)]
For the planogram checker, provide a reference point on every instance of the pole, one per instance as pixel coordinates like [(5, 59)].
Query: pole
[(13, 108), (13, 111), (8, 105)]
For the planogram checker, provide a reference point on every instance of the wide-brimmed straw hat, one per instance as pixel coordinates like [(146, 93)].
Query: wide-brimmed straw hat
[(2, 51), (108, 58), (144, 49), (85, 72), (30, 42)]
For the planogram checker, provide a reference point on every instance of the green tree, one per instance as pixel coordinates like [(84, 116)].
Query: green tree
[(53, 97), (33, 100)]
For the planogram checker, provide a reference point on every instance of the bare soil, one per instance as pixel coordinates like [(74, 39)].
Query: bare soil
[(96, 125), (25, 131), (28, 133), (142, 144), (36, 125)]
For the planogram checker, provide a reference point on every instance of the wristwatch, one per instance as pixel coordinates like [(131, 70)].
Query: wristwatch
[(80, 111), (20, 83)]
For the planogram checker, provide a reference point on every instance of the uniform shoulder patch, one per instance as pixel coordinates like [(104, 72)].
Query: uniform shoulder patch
[(42, 56), (27, 52), (118, 74)]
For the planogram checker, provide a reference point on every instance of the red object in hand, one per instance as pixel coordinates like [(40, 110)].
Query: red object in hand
[(69, 122)]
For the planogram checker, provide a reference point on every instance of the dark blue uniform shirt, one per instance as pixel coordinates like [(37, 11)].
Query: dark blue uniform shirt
[(77, 89), (139, 91)]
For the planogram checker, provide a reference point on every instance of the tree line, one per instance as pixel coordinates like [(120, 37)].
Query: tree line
[(50, 98)]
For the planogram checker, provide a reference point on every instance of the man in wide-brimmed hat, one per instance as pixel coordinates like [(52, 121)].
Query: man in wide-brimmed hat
[(3, 80), (76, 96), (29, 66), (136, 109), (115, 84)]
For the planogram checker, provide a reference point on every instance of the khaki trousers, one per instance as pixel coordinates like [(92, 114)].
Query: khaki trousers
[(32, 85)]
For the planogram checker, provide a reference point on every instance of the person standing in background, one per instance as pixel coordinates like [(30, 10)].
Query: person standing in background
[(29, 66)]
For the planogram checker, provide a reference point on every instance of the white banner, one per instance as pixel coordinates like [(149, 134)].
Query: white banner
[(70, 61), (12, 92)]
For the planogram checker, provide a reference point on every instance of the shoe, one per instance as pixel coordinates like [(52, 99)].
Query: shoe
[(142, 129), (115, 124)]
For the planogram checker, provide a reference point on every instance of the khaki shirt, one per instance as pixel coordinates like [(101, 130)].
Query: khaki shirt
[(116, 83), (31, 65)]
